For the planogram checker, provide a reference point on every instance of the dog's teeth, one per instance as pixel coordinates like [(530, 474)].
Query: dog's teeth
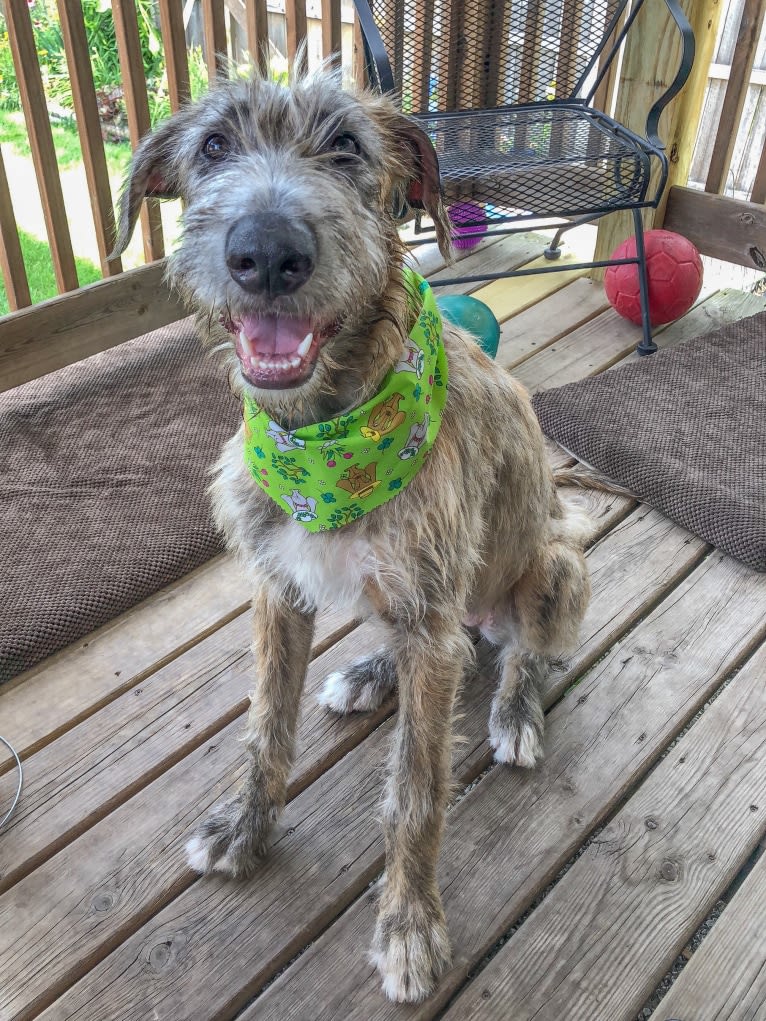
[(245, 342), (295, 362), (305, 344)]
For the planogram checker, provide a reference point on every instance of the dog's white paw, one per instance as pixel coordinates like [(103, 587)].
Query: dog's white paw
[(360, 688), (410, 952), (232, 841), (336, 693), (517, 743)]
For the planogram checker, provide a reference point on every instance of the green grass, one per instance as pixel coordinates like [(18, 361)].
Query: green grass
[(39, 265), (66, 142), (37, 256)]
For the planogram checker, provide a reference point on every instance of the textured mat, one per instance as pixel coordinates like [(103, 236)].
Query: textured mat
[(684, 429), (103, 471)]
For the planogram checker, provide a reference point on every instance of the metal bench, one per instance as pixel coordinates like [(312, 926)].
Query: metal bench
[(512, 95)]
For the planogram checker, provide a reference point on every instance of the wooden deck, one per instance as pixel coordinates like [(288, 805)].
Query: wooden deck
[(570, 890)]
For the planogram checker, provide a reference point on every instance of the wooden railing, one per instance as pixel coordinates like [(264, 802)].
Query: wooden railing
[(40, 338), (721, 226)]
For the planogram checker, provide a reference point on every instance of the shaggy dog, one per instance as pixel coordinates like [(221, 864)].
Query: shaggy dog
[(291, 255)]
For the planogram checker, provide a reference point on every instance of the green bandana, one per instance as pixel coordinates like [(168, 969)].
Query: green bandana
[(328, 474)]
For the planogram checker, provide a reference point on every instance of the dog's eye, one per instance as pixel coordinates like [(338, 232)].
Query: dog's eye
[(345, 145), (216, 147)]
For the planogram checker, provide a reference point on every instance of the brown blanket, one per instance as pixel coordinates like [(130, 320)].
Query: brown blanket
[(684, 429), (103, 471)]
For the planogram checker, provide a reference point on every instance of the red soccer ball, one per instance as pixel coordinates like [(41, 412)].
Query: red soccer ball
[(674, 272)]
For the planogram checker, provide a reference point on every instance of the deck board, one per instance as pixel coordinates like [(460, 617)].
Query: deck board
[(721, 983), (626, 594), (624, 908), (73, 684), (507, 839), (101, 919)]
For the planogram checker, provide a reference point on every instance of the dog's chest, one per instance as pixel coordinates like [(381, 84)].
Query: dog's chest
[(325, 568)]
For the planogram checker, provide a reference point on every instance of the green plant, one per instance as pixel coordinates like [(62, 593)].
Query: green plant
[(102, 44), (42, 282), (9, 89)]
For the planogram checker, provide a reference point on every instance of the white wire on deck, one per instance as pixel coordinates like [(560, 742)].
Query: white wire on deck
[(12, 809)]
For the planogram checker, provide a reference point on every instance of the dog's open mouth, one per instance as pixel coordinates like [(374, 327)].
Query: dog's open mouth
[(277, 352)]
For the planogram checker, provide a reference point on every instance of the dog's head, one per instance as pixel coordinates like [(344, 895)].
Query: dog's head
[(288, 231)]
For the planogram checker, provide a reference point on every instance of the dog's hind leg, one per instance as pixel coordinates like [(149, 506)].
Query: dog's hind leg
[(516, 721), (233, 838), (547, 606), (411, 945), (361, 686)]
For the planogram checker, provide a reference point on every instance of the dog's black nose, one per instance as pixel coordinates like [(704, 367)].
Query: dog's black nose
[(268, 254)]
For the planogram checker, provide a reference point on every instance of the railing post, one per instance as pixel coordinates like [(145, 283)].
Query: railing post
[(89, 129), (137, 105), (174, 44), (736, 90), (11, 258), (41, 142)]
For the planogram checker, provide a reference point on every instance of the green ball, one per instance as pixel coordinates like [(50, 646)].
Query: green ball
[(473, 315)]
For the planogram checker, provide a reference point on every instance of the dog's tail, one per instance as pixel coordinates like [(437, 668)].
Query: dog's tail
[(589, 478)]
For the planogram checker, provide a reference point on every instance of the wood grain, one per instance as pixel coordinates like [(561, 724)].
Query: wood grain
[(132, 862), (606, 935), (509, 297), (589, 349), (214, 24), (758, 194), (266, 948), (64, 690), (73, 782), (295, 15), (11, 257), (422, 49), (511, 834), (137, 109), (89, 129), (33, 102), (258, 33), (632, 569), (726, 306), (533, 329), (508, 253), (650, 60), (725, 980), (331, 31), (719, 226), (704, 17), (55, 333), (176, 59), (741, 67)]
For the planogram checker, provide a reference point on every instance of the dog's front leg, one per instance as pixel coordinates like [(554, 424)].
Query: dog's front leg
[(411, 946), (233, 838)]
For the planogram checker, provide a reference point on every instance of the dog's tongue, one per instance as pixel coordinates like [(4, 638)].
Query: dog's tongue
[(275, 335)]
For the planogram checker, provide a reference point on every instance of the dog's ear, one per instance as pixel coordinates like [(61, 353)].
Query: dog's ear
[(151, 175), (423, 185)]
